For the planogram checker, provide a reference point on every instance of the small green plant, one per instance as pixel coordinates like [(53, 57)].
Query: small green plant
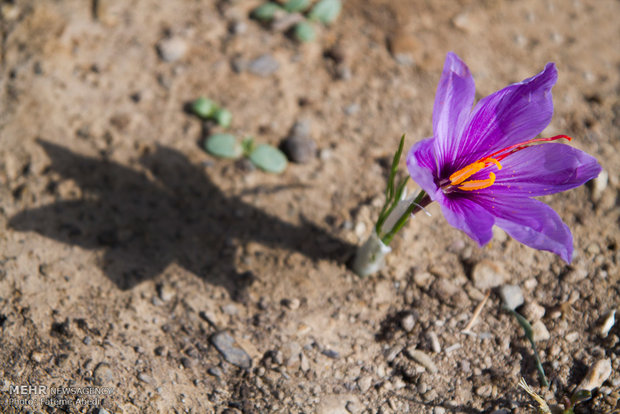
[(323, 11), (264, 156), (209, 110), (578, 396)]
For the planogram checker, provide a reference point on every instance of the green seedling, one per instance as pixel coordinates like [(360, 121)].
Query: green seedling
[(304, 32), (203, 107), (326, 11), (529, 333), (295, 6), (266, 12), (223, 117), (224, 146), (569, 405), (268, 158)]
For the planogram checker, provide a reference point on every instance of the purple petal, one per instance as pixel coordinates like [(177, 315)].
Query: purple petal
[(470, 217), (544, 169), (514, 114), (453, 103), (422, 166), (533, 223)]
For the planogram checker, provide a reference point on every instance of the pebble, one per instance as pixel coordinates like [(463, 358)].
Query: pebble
[(103, 374), (291, 352), (264, 65), (511, 296), (599, 184), (607, 324), (172, 48), (230, 309), (596, 376), (299, 147), (351, 109), (576, 274), (439, 410), (434, 340), (407, 322), (354, 407), (292, 304), (487, 275), (572, 336), (165, 292), (423, 359), (304, 363), (423, 279), (364, 383), (484, 391), (145, 378), (540, 332), (533, 311), (225, 344), (330, 353)]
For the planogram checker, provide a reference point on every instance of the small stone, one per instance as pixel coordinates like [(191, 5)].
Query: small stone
[(225, 344), (599, 184), (299, 147), (423, 279), (434, 341), (147, 379), (292, 304), (364, 383), (607, 324), (576, 275), (230, 309), (87, 340), (103, 374), (353, 407), (407, 322), (186, 362), (37, 356), (533, 311), (487, 275), (439, 410), (304, 363), (172, 49), (215, 371), (572, 336), (351, 109), (511, 296), (265, 65), (596, 376), (540, 332), (165, 292), (423, 359), (330, 353), (291, 352), (484, 391)]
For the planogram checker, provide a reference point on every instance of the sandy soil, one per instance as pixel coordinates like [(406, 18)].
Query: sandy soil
[(127, 253)]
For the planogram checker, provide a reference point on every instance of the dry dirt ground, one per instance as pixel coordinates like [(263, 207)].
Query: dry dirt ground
[(127, 252)]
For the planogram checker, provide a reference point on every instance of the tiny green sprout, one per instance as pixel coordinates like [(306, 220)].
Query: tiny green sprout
[(326, 11), (294, 6), (304, 32), (223, 145), (266, 12), (268, 158), (223, 117), (203, 107), (529, 333)]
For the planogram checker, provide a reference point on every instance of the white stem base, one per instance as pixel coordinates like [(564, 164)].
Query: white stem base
[(370, 256)]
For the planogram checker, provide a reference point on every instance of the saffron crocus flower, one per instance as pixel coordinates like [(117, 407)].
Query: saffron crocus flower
[(483, 168)]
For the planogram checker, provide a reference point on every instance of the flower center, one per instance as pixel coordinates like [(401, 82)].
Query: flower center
[(460, 178)]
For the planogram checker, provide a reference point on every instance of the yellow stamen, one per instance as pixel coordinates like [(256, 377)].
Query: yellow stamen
[(466, 172), (478, 184)]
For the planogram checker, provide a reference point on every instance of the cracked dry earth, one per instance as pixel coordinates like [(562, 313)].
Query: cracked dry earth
[(132, 260)]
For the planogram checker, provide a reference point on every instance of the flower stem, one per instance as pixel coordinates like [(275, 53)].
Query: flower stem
[(421, 201)]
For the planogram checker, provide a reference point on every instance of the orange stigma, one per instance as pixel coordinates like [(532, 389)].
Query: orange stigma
[(460, 180)]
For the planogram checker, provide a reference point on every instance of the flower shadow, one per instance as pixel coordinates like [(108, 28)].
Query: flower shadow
[(171, 213)]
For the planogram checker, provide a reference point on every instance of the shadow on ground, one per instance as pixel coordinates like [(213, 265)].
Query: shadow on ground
[(172, 213)]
